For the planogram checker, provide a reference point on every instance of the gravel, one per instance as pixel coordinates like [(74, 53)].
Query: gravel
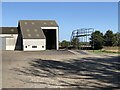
[(59, 69)]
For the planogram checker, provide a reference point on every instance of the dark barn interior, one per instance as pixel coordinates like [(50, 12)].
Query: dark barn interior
[(50, 35)]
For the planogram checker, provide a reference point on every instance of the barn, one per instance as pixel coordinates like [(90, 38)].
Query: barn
[(31, 35)]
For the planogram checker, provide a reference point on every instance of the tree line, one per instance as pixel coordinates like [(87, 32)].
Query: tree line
[(97, 41)]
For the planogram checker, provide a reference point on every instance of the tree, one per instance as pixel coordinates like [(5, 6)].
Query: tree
[(109, 38), (96, 40), (65, 44), (75, 43), (116, 39)]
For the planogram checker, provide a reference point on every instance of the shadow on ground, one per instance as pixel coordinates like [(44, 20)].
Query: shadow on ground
[(105, 71)]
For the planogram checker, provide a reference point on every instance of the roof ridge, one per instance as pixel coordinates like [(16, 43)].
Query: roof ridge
[(36, 20)]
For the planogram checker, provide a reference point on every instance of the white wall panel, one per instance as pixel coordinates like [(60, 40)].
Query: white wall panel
[(29, 43), (11, 42), (8, 41)]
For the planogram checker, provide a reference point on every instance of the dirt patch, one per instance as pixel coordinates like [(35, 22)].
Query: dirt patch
[(111, 49), (34, 70)]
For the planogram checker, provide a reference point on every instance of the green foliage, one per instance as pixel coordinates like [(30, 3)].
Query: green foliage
[(75, 43), (97, 40), (109, 38), (118, 35), (65, 44), (116, 39)]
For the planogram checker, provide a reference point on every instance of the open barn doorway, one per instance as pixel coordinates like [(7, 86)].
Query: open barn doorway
[(50, 35)]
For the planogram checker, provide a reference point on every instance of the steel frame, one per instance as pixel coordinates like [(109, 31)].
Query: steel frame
[(83, 35)]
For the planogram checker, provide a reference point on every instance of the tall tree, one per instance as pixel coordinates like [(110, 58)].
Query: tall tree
[(116, 39), (109, 38), (75, 42), (118, 36), (96, 40)]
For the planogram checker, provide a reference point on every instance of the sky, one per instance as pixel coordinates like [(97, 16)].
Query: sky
[(69, 15)]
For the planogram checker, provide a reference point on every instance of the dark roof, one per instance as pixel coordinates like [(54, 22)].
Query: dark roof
[(8, 30), (31, 29), (41, 23), (29, 32)]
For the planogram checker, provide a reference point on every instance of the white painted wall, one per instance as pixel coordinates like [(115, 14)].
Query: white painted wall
[(34, 42), (57, 34), (10, 41)]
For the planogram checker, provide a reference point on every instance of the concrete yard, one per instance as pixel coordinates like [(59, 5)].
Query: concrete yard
[(60, 69)]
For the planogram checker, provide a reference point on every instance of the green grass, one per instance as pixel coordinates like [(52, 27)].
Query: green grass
[(103, 51), (114, 50), (96, 51)]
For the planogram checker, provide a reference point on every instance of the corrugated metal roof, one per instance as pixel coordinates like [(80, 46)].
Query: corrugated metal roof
[(31, 29), (8, 30)]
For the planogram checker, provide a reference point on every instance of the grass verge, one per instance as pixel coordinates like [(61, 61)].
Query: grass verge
[(103, 51)]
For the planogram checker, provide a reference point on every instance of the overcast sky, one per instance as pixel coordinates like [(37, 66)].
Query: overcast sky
[(69, 16)]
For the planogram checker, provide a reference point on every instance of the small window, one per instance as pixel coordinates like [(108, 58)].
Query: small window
[(44, 23), (25, 46), (29, 35), (28, 30), (33, 23), (42, 46), (51, 22), (34, 46), (37, 35), (35, 30), (25, 22)]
